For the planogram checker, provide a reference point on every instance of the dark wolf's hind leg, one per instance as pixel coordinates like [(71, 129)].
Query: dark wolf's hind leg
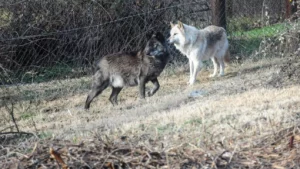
[(114, 95), (98, 86), (155, 88), (96, 90)]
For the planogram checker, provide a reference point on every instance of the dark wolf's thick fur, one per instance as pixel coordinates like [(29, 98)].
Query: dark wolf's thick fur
[(130, 69)]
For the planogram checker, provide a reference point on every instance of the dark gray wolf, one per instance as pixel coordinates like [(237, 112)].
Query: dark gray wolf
[(131, 69), (199, 45)]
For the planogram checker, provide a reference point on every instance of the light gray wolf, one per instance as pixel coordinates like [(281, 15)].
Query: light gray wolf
[(199, 45), (127, 69)]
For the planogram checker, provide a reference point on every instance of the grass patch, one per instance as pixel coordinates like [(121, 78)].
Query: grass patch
[(45, 135), (241, 23), (246, 42), (27, 115), (5, 17), (266, 31), (194, 121), (59, 71), (44, 74), (244, 47)]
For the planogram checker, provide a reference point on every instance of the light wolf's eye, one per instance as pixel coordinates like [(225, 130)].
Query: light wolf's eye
[(175, 34)]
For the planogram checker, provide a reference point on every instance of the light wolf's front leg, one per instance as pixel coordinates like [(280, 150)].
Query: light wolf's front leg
[(197, 66), (191, 72)]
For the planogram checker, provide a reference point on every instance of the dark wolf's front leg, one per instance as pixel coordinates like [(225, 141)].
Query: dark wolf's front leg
[(155, 88), (142, 86)]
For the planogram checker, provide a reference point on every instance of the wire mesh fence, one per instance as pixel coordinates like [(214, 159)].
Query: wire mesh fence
[(249, 22), (44, 40), (63, 35)]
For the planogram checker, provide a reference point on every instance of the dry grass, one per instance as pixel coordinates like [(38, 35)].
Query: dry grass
[(235, 113)]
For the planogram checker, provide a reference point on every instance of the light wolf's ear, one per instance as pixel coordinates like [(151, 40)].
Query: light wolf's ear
[(172, 25), (180, 25)]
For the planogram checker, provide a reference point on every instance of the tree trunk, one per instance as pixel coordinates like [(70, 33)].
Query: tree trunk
[(287, 9), (218, 12)]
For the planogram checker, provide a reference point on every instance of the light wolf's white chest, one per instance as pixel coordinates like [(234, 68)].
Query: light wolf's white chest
[(183, 50)]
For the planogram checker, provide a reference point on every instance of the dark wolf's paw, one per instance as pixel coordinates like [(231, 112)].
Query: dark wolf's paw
[(86, 107), (149, 93)]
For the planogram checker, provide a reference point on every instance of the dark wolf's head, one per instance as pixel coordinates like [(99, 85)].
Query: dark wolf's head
[(156, 45)]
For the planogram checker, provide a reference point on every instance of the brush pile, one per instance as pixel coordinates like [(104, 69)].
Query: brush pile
[(280, 150), (120, 154), (289, 73)]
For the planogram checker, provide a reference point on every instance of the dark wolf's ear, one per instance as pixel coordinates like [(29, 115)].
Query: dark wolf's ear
[(160, 37), (172, 25), (149, 35)]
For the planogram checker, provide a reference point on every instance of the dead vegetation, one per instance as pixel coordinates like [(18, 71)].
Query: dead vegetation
[(239, 121), (280, 151)]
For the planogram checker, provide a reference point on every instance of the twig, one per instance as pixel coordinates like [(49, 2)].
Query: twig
[(34, 125), (19, 132), (5, 128), (291, 144), (11, 112), (110, 155)]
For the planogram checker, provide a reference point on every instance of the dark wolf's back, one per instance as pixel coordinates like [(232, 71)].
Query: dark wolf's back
[(124, 69), (130, 65)]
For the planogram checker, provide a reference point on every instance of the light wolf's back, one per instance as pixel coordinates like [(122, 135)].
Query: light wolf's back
[(217, 40)]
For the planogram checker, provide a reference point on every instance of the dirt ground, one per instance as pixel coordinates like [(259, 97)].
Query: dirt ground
[(247, 119)]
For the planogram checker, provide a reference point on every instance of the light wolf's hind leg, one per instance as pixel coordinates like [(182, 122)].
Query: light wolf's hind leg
[(215, 63), (222, 66)]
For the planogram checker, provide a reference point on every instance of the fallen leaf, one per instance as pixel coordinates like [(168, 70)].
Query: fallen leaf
[(57, 157)]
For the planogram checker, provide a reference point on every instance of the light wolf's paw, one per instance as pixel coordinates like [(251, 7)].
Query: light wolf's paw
[(212, 75), (221, 75), (191, 82)]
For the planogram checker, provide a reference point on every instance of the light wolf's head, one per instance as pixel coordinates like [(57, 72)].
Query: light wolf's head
[(177, 33), (155, 46)]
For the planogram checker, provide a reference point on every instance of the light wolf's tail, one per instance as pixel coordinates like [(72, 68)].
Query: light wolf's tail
[(227, 57)]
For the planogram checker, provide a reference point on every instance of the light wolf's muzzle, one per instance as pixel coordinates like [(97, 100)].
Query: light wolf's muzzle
[(170, 40)]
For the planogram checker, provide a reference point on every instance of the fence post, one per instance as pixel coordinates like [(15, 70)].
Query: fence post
[(287, 9), (219, 12)]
